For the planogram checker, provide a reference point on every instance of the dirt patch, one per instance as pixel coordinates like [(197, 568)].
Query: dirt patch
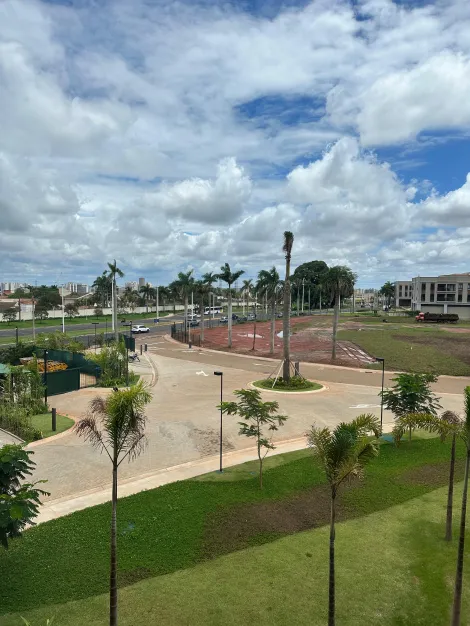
[(237, 528), (436, 474), (207, 441), (458, 347), (129, 577)]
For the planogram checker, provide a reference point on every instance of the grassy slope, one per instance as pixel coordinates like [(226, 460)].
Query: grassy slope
[(393, 568), (44, 424), (162, 531), (404, 355)]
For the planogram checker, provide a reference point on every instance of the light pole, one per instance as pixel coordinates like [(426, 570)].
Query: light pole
[(34, 324), (63, 309), (381, 360), (221, 374), (95, 324), (303, 293)]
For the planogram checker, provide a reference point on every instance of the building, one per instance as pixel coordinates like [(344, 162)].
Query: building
[(449, 293), (132, 285), (403, 293), (141, 282), (79, 288)]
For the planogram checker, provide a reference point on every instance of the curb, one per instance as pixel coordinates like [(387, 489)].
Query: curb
[(291, 393)]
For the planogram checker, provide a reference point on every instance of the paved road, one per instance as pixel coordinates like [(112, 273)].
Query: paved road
[(183, 420)]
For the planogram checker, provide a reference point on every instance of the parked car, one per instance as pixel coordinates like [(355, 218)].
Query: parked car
[(280, 314), (242, 318), (194, 322), (223, 320), (139, 328), (124, 323), (251, 317)]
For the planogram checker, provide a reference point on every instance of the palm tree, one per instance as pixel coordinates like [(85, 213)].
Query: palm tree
[(148, 293), (464, 433), (339, 281), (102, 285), (229, 277), (287, 249), (202, 289), (448, 423), (269, 285), (343, 453), (184, 285), (116, 426), (113, 272), (210, 278), (246, 291), (388, 291)]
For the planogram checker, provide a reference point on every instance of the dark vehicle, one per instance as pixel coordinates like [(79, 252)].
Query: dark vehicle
[(234, 317), (251, 317), (193, 323), (438, 318), (279, 314)]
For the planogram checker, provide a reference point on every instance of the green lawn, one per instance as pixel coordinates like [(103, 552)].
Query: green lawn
[(267, 384), (424, 349), (44, 424), (396, 557)]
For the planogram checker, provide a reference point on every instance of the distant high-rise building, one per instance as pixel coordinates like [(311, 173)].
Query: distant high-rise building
[(132, 285), (141, 282)]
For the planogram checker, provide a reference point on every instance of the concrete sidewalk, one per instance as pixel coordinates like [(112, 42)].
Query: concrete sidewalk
[(64, 506)]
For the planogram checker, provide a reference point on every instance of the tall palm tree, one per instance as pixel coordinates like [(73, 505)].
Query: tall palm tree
[(447, 424), (464, 433), (343, 453), (102, 285), (202, 290), (339, 282), (229, 277), (269, 285), (184, 285), (210, 278), (148, 293), (113, 272), (115, 425), (287, 249), (247, 287)]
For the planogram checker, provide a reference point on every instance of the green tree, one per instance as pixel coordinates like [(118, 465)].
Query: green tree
[(247, 288), (287, 249), (40, 312), (344, 452), (71, 309), (9, 315), (202, 290), (464, 433), (411, 394), (229, 277), (388, 291), (313, 274), (19, 500), (339, 282), (102, 286), (98, 312), (113, 272), (148, 293), (448, 424), (269, 285), (182, 287), (256, 415), (116, 425)]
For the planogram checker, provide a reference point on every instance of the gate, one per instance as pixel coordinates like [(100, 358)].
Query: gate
[(62, 381)]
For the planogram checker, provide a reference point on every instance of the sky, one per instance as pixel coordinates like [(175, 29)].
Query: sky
[(173, 135)]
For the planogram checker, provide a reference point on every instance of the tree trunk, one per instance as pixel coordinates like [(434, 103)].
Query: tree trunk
[(331, 584), (335, 326), (254, 334), (450, 492), (273, 327), (456, 609), (202, 318), (116, 331), (286, 326), (113, 594), (229, 323), (186, 321), (260, 466)]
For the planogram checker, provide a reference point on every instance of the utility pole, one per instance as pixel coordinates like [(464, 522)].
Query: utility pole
[(158, 306), (303, 293)]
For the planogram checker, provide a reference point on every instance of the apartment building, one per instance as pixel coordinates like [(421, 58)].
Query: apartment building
[(449, 293), (403, 293)]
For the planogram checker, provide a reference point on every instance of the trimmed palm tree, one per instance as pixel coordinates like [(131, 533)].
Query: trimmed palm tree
[(229, 277), (113, 272), (183, 286), (339, 282), (148, 293), (343, 453), (287, 249), (269, 285), (464, 433), (116, 425), (447, 424)]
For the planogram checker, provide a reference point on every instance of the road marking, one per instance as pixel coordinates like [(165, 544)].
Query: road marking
[(365, 406), (201, 372)]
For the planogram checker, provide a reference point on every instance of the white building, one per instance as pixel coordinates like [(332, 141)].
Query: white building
[(449, 293), (403, 290)]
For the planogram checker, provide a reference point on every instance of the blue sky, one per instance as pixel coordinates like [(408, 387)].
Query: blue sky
[(176, 135)]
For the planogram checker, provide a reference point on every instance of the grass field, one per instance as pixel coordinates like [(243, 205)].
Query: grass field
[(267, 384), (44, 424), (169, 540), (424, 349)]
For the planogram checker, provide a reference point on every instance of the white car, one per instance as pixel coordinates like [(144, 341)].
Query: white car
[(139, 328)]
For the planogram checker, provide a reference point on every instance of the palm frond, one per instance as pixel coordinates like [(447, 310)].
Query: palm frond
[(288, 242)]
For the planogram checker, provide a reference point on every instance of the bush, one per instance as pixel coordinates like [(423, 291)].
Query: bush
[(16, 421), (13, 354), (112, 360), (295, 383), (59, 341)]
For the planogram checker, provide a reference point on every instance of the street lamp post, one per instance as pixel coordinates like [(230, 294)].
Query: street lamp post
[(45, 377), (127, 352), (303, 294), (95, 324), (381, 360), (221, 374)]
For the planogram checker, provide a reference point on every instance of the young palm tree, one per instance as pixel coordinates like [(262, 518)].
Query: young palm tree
[(102, 285), (209, 279), (246, 291), (113, 272), (229, 277), (116, 426), (184, 285), (448, 423), (343, 453), (269, 285), (287, 249), (339, 281), (148, 293)]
